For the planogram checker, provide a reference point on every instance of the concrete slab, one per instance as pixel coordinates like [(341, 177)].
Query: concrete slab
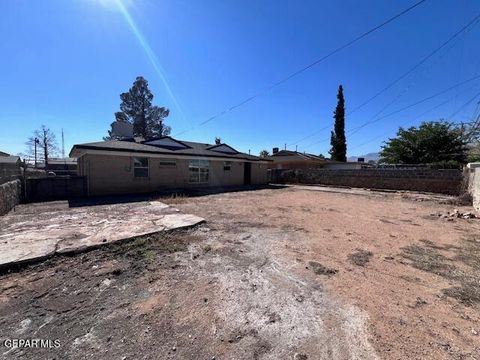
[(38, 232)]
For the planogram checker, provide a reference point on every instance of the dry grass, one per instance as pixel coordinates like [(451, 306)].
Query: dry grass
[(176, 198), (319, 269), (360, 257), (463, 266)]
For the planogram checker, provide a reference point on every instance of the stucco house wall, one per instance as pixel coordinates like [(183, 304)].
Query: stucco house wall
[(114, 174)]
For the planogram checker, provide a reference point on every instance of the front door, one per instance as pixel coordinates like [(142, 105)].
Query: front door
[(247, 173)]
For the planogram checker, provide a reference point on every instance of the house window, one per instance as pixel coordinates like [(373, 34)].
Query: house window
[(140, 167), (227, 165), (198, 171), (168, 163)]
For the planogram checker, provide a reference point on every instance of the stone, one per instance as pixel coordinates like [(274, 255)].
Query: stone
[(34, 237)]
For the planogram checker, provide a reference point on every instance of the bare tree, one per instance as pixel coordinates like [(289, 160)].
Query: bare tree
[(42, 144)]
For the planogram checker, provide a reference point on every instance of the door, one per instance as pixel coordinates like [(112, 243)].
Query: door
[(247, 173)]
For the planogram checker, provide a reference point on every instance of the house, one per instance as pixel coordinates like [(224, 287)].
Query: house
[(10, 166), (134, 165), (10, 160), (3, 154), (60, 166), (288, 159)]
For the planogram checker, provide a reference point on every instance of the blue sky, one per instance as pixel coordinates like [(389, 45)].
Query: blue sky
[(64, 64)]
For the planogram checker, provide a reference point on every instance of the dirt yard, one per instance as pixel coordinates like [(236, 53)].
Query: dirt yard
[(273, 274)]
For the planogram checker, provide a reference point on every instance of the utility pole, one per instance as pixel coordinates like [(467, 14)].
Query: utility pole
[(36, 141), (63, 146), (45, 147)]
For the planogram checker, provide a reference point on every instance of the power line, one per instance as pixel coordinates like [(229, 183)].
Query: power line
[(414, 119), (316, 62), (420, 63), (354, 130), (404, 75), (464, 105), (403, 108)]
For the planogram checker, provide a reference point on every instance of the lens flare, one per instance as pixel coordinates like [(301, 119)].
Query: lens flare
[(149, 53)]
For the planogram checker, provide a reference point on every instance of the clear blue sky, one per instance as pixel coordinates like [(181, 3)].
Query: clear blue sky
[(64, 64)]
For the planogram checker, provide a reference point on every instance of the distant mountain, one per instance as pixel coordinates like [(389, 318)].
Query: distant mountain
[(367, 157)]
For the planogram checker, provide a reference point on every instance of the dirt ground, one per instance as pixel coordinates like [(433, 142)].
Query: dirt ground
[(273, 274)]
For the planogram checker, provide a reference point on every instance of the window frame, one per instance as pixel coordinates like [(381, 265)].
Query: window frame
[(167, 163), (227, 166), (136, 167), (200, 167)]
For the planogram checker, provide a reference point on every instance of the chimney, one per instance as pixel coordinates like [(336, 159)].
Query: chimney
[(275, 150), (121, 130)]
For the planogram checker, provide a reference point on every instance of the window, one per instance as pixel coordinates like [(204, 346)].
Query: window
[(168, 163), (198, 171), (227, 165), (140, 167)]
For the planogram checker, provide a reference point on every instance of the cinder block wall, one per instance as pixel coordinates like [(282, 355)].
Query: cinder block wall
[(446, 181), (10, 195)]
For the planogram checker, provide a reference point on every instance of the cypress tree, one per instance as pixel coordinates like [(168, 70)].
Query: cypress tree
[(338, 152)]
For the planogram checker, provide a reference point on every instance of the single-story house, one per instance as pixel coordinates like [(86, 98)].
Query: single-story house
[(10, 166), (134, 165), (11, 160), (60, 166), (289, 159)]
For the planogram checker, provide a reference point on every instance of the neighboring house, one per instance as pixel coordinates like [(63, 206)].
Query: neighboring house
[(60, 166), (3, 154), (11, 160), (133, 165), (10, 166), (349, 165), (288, 159)]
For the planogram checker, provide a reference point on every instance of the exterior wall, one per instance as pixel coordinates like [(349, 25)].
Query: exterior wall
[(344, 166), (10, 195), (9, 172), (114, 175), (428, 180), (294, 164), (259, 174), (474, 183)]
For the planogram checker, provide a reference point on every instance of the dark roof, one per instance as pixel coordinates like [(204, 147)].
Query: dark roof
[(301, 156), (4, 153), (189, 149), (9, 159), (67, 161)]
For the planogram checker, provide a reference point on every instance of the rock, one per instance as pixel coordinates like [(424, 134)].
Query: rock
[(298, 297), (299, 356)]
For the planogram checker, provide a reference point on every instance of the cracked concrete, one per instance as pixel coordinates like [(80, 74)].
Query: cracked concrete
[(37, 232)]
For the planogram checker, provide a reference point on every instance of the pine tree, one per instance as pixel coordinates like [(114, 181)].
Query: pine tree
[(137, 109), (338, 152)]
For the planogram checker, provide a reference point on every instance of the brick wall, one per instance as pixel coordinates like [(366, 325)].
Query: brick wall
[(446, 181), (10, 195)]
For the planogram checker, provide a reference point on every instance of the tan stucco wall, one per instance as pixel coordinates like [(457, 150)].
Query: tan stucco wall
[(114, 175)]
